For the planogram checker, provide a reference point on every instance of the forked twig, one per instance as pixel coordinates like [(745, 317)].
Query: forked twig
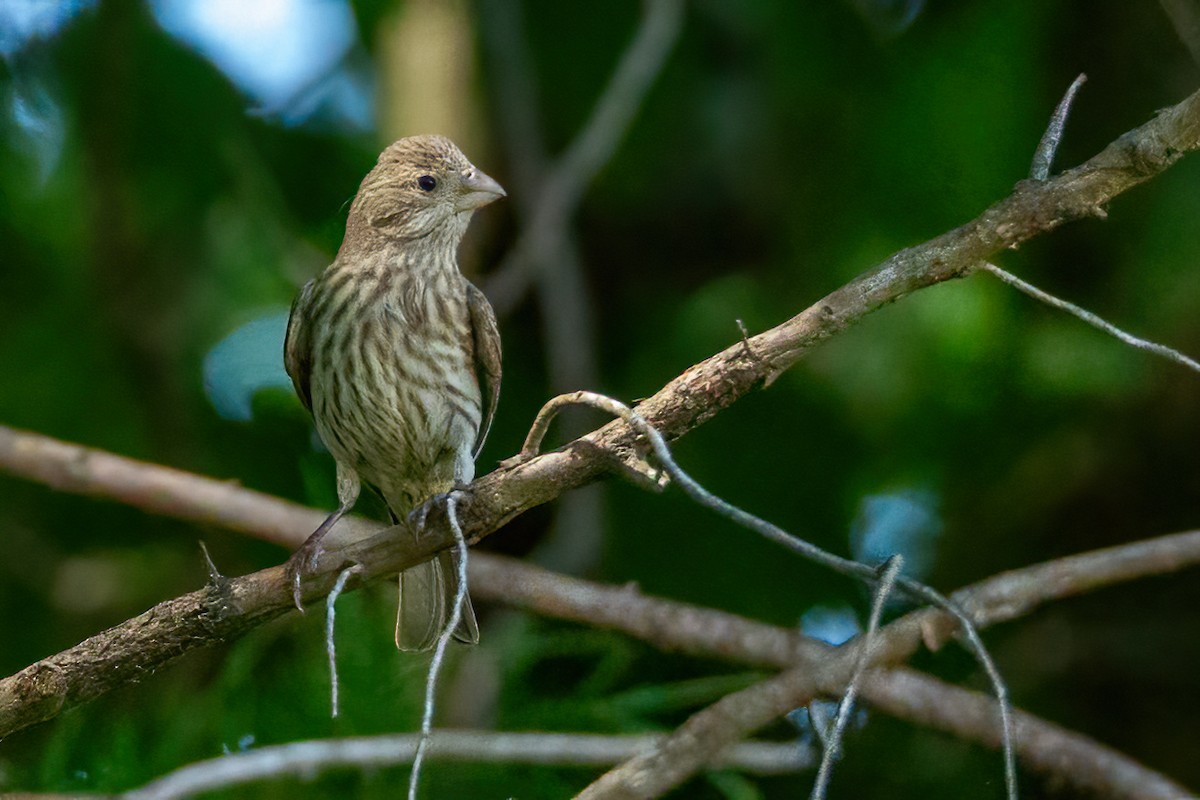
[(774, 533), (1039, 170)]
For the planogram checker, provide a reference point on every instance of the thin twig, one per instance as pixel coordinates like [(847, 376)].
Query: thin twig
[(330, 649), (833, 742), (443, 642), (1043, 157), (1091, 319), (797, 545)]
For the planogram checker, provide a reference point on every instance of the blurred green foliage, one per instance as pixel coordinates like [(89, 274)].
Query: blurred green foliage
[(784, 149)]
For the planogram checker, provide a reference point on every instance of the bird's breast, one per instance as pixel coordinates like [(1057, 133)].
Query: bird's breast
[(394, 389)]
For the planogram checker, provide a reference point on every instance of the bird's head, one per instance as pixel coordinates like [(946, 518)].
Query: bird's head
[(422, 186)]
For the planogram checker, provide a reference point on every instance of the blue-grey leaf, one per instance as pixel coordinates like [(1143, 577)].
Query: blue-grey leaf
[(244, 362)]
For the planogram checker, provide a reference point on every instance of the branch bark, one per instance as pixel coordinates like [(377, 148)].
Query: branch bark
[(304, 759)]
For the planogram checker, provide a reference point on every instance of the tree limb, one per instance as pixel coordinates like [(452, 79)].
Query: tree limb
[(304, 759)]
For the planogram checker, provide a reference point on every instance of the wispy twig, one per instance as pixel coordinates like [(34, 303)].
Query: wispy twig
[(1091, 319)]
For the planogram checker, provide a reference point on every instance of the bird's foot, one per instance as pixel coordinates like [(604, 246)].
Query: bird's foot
[(419, 516), (304, 561)]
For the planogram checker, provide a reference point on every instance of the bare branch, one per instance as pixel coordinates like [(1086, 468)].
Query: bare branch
[(917, 590), (306, 759), (154, 488), (1044, 747), (678, 756), (822, 670), (675, 626)]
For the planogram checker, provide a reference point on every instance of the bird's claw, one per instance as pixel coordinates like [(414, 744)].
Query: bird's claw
[(303, 562), (419, 516)]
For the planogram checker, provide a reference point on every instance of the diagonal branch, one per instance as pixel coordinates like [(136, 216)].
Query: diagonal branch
[(712, 385)]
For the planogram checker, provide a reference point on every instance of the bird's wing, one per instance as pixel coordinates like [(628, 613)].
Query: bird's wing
[(297, 347), (487, 358)]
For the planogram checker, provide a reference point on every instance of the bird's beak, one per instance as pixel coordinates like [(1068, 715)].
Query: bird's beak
[(477, 191)]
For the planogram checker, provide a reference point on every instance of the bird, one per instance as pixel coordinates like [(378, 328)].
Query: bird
[(397, 357)]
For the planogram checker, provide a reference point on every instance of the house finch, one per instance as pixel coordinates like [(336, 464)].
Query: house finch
[(397, 356)]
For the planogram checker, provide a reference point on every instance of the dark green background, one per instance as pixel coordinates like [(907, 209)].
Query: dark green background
[(784, 149)]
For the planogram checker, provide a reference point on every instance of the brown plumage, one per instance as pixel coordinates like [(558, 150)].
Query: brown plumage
[(397, 356)]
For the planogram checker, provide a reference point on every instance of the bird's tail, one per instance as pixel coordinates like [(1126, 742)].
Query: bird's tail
[(427, 593)]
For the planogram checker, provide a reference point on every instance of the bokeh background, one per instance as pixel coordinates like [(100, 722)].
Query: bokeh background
[(172, 171)]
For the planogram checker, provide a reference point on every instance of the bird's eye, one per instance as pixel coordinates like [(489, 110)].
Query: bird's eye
[(427, 183)]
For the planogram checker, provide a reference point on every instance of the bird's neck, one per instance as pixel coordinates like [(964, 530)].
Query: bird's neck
[(372, 250)]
